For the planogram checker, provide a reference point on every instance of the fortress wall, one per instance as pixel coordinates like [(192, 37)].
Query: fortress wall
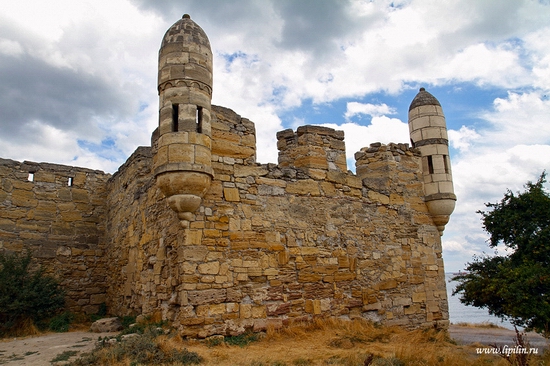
[(143, 233), (59, 216), (271, 243)]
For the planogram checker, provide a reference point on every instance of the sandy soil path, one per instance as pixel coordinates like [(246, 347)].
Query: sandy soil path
[(39, 351), (489, 336)]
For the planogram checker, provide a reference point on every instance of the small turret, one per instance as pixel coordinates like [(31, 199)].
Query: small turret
[(428, 132), (182, 163)]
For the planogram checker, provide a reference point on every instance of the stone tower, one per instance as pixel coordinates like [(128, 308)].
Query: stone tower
[(428, 132), (182, 162)]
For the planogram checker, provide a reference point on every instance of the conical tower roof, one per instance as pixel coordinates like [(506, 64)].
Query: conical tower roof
[(185, 31), (423, 98)]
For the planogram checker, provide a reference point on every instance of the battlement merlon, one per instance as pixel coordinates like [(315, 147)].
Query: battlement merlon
[(312, 147)]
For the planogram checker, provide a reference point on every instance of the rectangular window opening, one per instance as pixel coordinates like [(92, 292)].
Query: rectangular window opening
[(175, 117), (430, 165), (446, 163), (70, 182), (198, 119), (31, 177)]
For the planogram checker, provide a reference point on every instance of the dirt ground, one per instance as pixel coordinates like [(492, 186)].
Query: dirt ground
[(41, 350), (492, 336)]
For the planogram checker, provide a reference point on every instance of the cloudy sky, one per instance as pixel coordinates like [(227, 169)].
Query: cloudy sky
[(78, 81)]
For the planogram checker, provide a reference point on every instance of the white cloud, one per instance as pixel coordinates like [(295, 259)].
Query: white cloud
[(459, 247), (55, 145), (484, 64), (520, 118), (10, 48), (538, 44), (463, 138), (375, 110)]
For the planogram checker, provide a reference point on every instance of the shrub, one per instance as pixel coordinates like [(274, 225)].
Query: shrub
[(141, 349), (25, 294), (127, 321), (60, 323)]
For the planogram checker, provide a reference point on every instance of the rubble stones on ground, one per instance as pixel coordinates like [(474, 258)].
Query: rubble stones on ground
[(106, 325)]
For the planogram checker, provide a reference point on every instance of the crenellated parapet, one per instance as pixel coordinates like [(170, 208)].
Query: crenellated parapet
[(312, 148)]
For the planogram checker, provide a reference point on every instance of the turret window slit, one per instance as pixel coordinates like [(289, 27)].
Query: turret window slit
[(430, 165), (175, 117), (198, 119)]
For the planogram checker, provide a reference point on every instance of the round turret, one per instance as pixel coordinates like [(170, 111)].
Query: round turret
[(428, 132), (182, 162), (185, 57)]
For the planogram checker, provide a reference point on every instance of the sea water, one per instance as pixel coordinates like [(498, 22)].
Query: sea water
[(460, 313)]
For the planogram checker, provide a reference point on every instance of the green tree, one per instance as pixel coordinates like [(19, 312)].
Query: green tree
[(515, 286), (25, 293)]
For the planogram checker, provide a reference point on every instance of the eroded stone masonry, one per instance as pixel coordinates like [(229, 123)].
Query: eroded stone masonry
[(195, 229)]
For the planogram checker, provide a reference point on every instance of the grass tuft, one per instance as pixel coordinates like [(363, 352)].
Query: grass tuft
[(479, 325), (64, 356), (61, 322), (242, 340)]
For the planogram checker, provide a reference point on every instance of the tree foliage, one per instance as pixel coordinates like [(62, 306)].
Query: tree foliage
[(514, 286), (24, 293)]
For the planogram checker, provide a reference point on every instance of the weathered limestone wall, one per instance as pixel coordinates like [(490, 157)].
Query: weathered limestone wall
[(60, 217), (270, 242), (273, 242)]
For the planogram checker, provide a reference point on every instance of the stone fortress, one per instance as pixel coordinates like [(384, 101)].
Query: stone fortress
[(194, 229)]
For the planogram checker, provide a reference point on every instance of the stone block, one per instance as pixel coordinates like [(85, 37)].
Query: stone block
[(388, 284), (209, 268), (412, 309), (259, 311), (201, 297), (231, 194), (217, 309), (304, 187), (419, 297), (232, 149), (64, 251), (378, 197), (97, 299), (80, 195), (306, 276), (106, 325), (344, 276), (402, 301), (23, 198), (245, 311), (313, 307)]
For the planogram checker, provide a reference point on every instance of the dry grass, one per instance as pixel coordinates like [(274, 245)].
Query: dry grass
[(27, 328), (333, 342), (24, 329), (480, 325)]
